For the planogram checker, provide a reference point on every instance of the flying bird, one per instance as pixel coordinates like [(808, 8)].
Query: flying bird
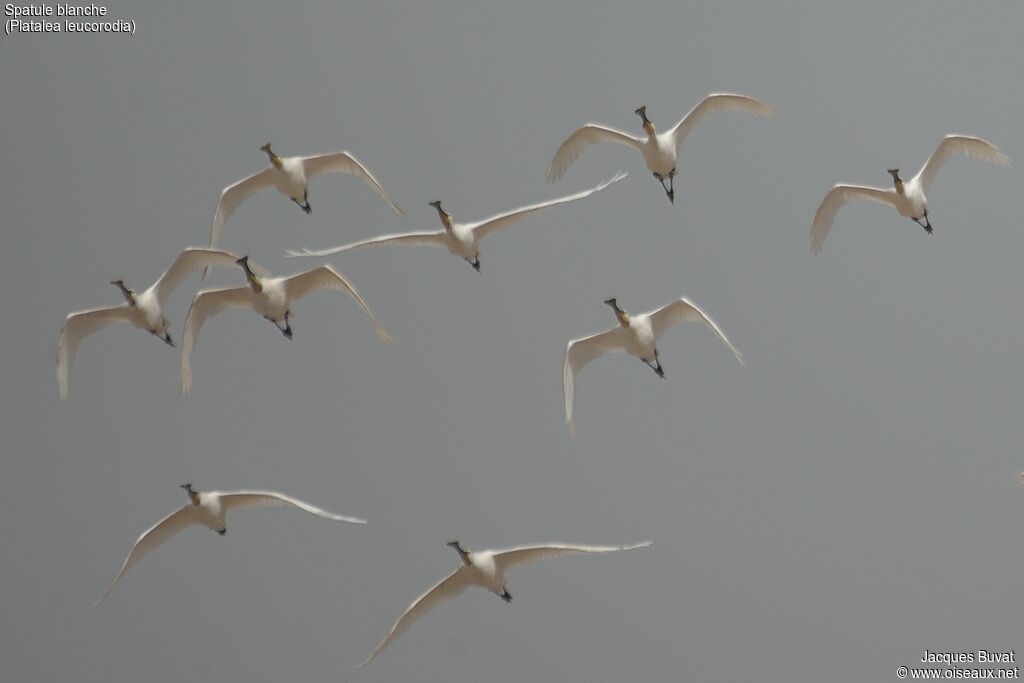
[(271, 297), (461, 239), (209, 508), (636, 335), (486, 569), (290, 176), (143, 310), (908, 198), (660, 150)]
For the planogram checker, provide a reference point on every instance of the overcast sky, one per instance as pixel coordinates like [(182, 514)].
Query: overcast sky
[(843, 503)]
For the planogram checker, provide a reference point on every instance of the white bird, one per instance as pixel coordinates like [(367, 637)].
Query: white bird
[(908, 198), (209, 509), (461, 239), (486, 569), (636, 335), (145, 311), (290, 176), (659, 150), (271, 297)]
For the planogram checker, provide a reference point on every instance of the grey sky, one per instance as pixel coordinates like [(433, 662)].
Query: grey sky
[(827, 513)]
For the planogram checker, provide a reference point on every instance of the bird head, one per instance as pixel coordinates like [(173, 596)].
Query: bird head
[(129, 294)]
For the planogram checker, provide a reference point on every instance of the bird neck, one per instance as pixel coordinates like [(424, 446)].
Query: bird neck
[(254, 282), (129, 294), (899, 185), (463, 554), (622, 317), (274, 159), (649, 127), (446, 218)]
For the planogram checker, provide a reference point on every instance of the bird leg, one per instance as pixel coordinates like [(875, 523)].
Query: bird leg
[(669, 190), (287, 329), (672, 186), (505, 595), (306, 207), (656, 366), (221, 531), (475, 263), (165, 338)]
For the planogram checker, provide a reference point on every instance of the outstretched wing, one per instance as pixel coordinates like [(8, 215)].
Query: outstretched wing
[(238, 499), (485, 228), (153, 538), (835, 199), (578, 353), (205, 304), (326, 277), (452, 585), (405, 239), (235, 194), (583, 137), (343, 162), (967, 145), (183, 266), (684, 310), (77, 326), (504, 559), (719, 102)]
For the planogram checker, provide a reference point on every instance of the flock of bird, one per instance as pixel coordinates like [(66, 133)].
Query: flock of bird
[(273, 298)]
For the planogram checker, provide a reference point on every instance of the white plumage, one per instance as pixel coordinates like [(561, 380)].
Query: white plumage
[(908, 198), (461, 239), (145, 311), (636, 335), (290, 176), (271, 297), (660, 150), (209, 508), (486, 569)]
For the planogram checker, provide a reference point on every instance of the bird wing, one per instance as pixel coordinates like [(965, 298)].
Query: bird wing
[(77, 326), (326, 277), (238, 499), (836, 197), (486, 227), (235, 194), (183, 266), (586, 135), (207, 303), (578, 353), (512, 557), (343, 162), (406, 239), (153, 538), (448, 588), (967, 145), (684, 310), (719, 102)]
